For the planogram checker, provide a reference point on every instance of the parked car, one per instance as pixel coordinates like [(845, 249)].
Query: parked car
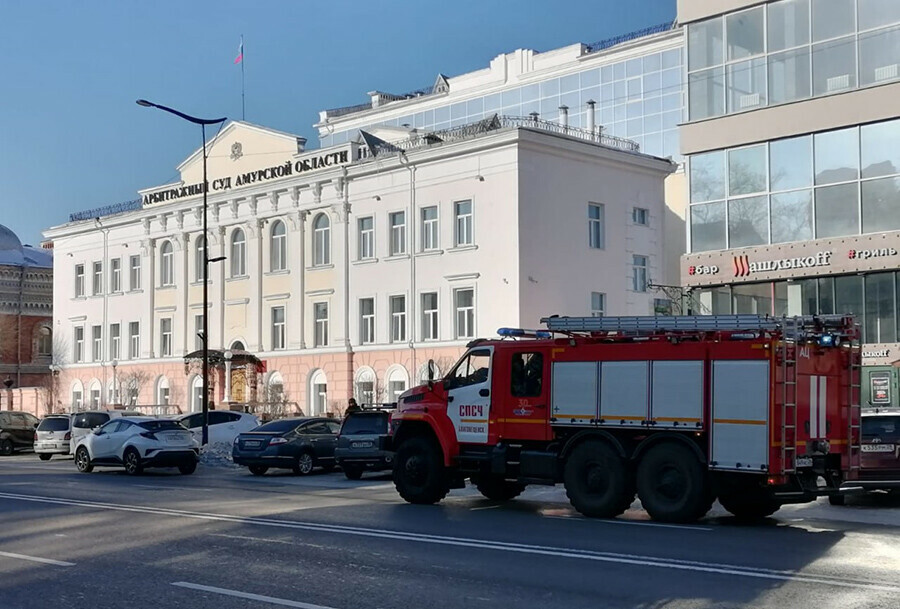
[(299, 444), (16, 431), (136, 443), (364, 442), (224, 425), (53, 436), (880, 459), (85, 422)]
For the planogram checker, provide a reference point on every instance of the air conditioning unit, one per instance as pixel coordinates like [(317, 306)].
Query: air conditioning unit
[(837, 83), (886, 73), (748, 101)]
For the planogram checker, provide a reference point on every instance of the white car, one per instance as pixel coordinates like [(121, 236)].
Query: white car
[(84, 422), (224, 425), (136, 443)]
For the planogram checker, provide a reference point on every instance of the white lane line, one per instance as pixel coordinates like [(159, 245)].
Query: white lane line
[(500, 546), (46, 561), (637, 523), (484, 507), (250, 597)]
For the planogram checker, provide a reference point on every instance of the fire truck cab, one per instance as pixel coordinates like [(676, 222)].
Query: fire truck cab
[(752, 410)]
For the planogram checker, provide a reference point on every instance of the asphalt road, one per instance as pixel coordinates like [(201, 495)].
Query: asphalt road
[(224, 539)]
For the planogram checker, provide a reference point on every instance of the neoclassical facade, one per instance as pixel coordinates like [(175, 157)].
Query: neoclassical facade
[(345, 269)]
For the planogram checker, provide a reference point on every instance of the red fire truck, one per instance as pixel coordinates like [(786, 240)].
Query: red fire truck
[(753, 410)]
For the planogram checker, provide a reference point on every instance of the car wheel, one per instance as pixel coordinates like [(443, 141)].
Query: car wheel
[(6, 448), (44, 456), (188, 467), (304, 464), (83, 460), (258, 470), (837, 499), (353, 472), (132, 460)]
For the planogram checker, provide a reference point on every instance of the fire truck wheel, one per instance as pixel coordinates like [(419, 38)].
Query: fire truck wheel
[(498, 489), (749, 505), (672, 484), (419, 473), (596, 480)]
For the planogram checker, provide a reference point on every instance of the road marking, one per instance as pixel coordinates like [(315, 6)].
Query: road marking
[(46, 561), (500, 546), (638, 523), (251, 597), (484, 507)]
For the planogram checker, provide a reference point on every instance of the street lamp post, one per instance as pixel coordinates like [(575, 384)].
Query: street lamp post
[(54, 378), (115, 387), (203, 122)]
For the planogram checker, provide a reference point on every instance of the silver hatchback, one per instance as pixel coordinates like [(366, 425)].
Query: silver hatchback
[(53, 436)]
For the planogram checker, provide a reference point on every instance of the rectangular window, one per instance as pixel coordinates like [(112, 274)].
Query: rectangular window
[(198, 332), (135, 273), (398, 233), (97, 274), (78, 355), (430, 228), (278, 328), (598, 304), (880, 306), (165, 337), (366, 238), (115, 275), (527, 375), (134, 339), (464, 303), (596, 230), (97, 343), (366, 321), (640, 216), (320, 315), (79, 280), (430, 316), (639, 279), (115, 341), (398, 319), (463, 212)]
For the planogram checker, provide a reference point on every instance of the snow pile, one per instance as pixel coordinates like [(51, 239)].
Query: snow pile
[(217, 454)]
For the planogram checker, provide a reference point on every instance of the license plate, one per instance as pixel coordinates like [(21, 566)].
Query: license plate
[(252, 443), (361, 445), (804, 462), (878, 448)]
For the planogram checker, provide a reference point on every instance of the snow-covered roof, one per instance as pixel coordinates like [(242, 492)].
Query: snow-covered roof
[(13, 253)]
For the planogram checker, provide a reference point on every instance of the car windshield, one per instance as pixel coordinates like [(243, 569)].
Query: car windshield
[(54, 424), (365, 423), (886, 428), (161, 425), (279, 426), (90, 420)]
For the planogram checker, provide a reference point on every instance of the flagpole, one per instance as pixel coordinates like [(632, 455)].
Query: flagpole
[(243, 112)]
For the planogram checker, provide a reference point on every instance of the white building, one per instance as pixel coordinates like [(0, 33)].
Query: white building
[(348, 267)]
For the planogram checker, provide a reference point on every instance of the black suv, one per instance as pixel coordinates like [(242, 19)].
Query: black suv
[(364, 443), (16, 431)]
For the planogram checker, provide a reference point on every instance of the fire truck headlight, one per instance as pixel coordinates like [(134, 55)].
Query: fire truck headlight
[(829, 340)]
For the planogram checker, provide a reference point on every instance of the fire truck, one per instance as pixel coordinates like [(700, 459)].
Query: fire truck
[(754, 411)]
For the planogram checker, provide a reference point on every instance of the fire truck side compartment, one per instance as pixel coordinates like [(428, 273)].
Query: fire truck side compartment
[(740, 414), (677, 394), (574, 400), (624, 393)]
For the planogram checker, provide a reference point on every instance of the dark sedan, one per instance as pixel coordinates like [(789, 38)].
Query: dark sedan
[(298, 444)]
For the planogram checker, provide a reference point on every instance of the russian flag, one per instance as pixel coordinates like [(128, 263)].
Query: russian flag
[(240, 56)]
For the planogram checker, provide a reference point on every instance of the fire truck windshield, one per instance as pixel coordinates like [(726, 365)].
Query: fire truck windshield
[(471, 369)]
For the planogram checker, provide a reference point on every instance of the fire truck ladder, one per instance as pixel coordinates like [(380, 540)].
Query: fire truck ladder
[(787, 353), (855, 415)]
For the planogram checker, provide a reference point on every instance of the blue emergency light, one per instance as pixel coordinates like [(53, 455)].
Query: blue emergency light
[(829, 340), (519, 332)]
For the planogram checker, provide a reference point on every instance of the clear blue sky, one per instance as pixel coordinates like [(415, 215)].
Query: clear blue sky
[(72, 138)]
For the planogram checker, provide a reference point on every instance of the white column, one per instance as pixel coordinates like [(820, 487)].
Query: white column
[(148, 251), (221, 298), (227, 399), (259, 230)]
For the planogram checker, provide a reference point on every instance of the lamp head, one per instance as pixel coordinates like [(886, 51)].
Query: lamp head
[(145, 103)]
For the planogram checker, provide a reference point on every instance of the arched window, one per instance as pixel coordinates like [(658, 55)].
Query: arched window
[(238, 253), (238, 346), (166, 264), (275, 388), (321, 241), (77, 395), (162, 390), (364, 386), (318, 393), (278, 247), (95, 390), (199, 258), (397, 382), (196, 393), (44, 341)]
